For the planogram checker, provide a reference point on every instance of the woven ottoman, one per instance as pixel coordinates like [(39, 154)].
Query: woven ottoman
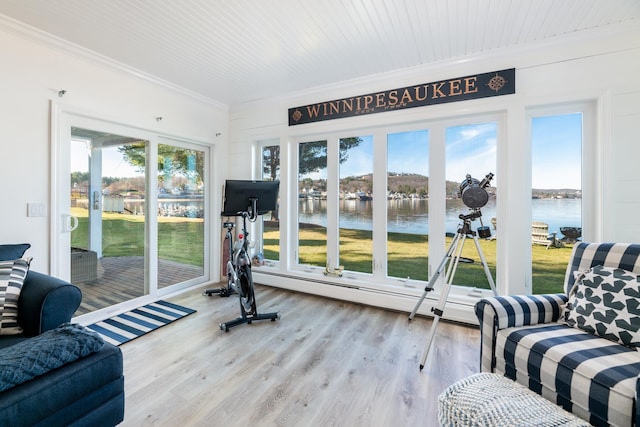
[(485, 399)]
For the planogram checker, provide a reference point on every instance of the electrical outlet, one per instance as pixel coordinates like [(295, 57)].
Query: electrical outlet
[(36, 209)]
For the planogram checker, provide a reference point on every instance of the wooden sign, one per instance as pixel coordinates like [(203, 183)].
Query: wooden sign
[(496, 83)]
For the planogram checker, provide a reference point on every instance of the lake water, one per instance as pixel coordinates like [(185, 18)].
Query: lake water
[(403, 216), (411, 216), (175, 207)]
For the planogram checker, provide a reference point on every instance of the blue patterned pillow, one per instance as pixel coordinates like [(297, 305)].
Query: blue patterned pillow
[(12, 275), (11, 252), (606, 302)]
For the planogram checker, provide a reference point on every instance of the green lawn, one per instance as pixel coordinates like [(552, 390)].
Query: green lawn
[(182, 240), (179, 239), (549, 267), (408, 256)]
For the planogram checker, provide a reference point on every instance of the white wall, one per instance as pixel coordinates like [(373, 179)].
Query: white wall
[(601, 66), (31, 73)]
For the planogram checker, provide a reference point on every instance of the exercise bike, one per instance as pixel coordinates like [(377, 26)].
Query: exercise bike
[(239, 279)]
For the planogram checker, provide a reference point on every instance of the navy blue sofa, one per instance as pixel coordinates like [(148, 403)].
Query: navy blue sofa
[(85, 392)]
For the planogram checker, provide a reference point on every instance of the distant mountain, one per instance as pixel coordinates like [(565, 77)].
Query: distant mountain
[(406, 183), (556, 193)]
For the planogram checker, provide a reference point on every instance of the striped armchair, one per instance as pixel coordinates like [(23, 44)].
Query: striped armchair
[(525, 339)]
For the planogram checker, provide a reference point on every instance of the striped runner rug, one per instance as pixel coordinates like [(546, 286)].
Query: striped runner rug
[(133, 324)]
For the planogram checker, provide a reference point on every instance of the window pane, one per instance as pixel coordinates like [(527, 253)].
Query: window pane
[(180, 214), (356, 204), (271, 220), (556, 197), (312, 203), (407, 204), (108, 188), (471, 150)]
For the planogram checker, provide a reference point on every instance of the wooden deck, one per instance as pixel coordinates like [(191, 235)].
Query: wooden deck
[(122, 278)]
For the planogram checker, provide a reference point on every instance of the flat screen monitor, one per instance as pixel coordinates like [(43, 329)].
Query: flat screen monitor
[(239, 197)]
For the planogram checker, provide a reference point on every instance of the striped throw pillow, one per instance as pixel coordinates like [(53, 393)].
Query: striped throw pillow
[(12, 275)]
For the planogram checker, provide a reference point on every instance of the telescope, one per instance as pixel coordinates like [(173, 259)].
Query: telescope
[(474, 196), (473, 192)]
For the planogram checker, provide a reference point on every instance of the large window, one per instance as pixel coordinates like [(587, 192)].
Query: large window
[(356, 204), (312, 203), (364, 201), (556, 144), (271, 220), (471, 150), (408, 204)]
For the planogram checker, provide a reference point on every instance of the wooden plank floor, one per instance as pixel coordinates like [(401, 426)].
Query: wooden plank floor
[(324, 363), (120, 279)]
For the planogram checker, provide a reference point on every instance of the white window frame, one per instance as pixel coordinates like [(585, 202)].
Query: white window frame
[(591, 170)]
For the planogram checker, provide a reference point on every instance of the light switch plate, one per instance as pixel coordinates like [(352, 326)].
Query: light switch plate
[(36, 209)]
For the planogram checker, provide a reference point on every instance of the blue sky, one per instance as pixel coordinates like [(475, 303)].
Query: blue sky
[(470, 149), (408, 152), (556, 148), (556, 152), (112, 162)]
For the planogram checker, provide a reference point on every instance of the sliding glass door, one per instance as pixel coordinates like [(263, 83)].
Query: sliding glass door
[(130, 212)]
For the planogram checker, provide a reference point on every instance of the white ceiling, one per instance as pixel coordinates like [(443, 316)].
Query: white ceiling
[(235, 51)]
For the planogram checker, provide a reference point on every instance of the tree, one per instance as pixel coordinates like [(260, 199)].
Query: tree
[(79, 178), (271, 162), (135, 154), (347, 144), (312, 158), (175, 160), (313, 155)]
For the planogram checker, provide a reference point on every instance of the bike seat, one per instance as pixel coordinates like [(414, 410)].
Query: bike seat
[(229, 225)]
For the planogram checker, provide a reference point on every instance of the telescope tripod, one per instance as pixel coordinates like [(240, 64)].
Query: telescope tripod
[(457, 244)]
